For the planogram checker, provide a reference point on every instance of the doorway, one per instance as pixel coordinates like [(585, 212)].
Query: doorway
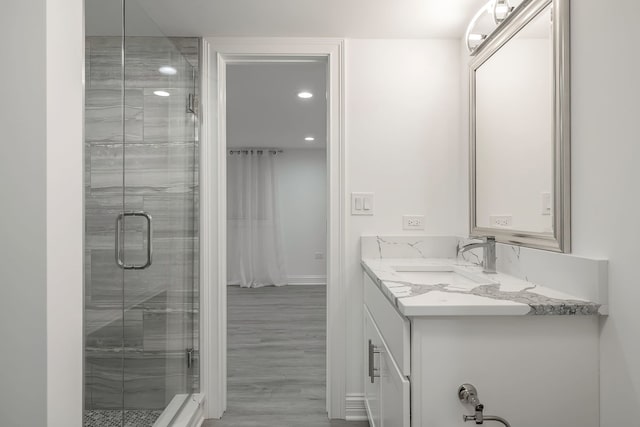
[(218, 54), (276, 241)]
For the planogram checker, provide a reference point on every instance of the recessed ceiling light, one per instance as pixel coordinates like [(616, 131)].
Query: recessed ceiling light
[(161, 93), (168, 70), (309, 138), (305, 95)]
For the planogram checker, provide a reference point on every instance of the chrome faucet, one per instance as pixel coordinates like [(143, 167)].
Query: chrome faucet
[(489, 254)]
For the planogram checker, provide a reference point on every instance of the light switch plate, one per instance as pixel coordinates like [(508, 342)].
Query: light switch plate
[(413, 222), (361, 203)]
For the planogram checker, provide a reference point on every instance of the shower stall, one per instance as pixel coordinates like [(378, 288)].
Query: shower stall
[(141, 218)]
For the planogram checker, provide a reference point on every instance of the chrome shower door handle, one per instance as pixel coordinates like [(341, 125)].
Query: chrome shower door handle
[(149, 221)]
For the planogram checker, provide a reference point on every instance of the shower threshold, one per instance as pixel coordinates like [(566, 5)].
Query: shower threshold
[(184, 410)]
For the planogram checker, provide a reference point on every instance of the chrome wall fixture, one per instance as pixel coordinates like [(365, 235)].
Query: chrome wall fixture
[(468, 395), (499, 10)]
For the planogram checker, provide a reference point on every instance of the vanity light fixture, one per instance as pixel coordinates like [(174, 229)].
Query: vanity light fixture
[(309, 139), (498, 9), (305, 95), (161, 93), (168, 70), (501, 9)]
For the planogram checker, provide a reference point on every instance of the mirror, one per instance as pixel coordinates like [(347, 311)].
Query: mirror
[(519, 129)]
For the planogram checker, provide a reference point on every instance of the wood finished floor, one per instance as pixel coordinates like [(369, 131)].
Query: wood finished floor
[(276, 359)]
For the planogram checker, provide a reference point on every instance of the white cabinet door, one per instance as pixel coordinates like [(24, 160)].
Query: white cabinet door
[(371, 364), (394, 393), (386, 388)]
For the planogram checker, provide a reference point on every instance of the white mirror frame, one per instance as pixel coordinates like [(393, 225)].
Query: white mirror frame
[(560, 239)]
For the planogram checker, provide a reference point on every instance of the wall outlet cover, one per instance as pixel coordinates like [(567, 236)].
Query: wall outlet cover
[(501, 220), (413, 222)]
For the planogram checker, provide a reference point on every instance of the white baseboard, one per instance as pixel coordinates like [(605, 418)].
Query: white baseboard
[(354, 408), (307, 280)]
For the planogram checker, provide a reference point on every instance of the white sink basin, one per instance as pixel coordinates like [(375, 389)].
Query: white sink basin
[(440, 275)]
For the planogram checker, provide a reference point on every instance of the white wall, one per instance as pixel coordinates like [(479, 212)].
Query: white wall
[(403, 108), (41, 216), (23, 215), (605, 184), (65, 211), (302, 185)]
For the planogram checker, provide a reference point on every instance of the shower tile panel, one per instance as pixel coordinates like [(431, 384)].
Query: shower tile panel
[(107, 166), (101, 213), (158, 168), (151, 379), (87, 278), (106, 278), (116, 333), (165, 118), (105, 63), (189, 47), (87, 61), (103, 379), (163, 329), (104, 115), (173, 214), (144, 57), (151, 168)]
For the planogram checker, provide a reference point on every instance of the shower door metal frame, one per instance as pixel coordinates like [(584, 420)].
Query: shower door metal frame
[(216, 54)]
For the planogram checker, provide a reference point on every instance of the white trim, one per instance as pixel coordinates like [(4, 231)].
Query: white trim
[(217, 52), (355, 409), (184, 410), (213, 300), (304, 280)]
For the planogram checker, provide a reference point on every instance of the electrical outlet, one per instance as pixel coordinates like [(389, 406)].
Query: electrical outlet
[(501, 220), (413, 222), (319, 255)]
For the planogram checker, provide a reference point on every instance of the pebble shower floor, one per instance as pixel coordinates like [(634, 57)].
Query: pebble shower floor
[(114, 418)]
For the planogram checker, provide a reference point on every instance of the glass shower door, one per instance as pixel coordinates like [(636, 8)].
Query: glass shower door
[(105, 118), (141, 214), (159, 226)]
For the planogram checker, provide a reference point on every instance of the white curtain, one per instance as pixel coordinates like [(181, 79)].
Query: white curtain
[(255, 254)]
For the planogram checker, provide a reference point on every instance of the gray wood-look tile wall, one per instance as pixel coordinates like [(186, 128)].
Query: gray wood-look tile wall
[(141, 153)]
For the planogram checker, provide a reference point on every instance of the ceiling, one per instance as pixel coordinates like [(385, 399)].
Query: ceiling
[(312, 18), (264, 110)]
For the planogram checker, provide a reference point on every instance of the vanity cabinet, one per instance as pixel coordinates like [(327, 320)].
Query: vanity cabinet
[(531, 370)]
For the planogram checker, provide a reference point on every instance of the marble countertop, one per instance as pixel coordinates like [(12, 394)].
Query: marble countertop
[(499, 294)]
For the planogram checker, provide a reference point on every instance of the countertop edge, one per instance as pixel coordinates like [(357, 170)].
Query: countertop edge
[(571, 308)]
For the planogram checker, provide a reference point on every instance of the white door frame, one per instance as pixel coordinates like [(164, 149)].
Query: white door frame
[(216, 54)]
